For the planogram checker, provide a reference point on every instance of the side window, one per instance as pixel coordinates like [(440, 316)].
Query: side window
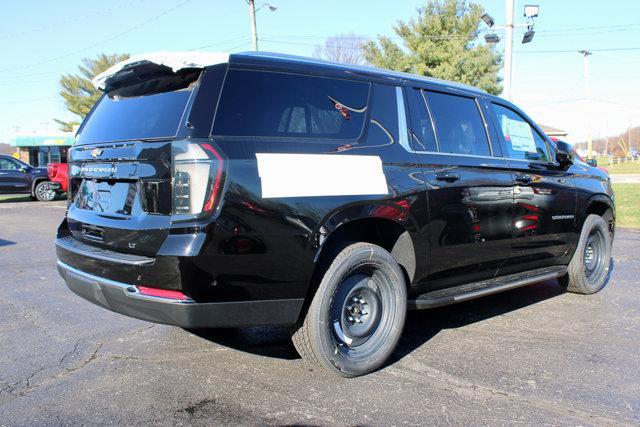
[(423, 138), (521, 140), (459, 125), (7, 164), (383, 128), (266, 104)]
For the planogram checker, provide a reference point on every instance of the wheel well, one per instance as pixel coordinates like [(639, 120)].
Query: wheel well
[(35, 182), (385, 233), (604, 210)]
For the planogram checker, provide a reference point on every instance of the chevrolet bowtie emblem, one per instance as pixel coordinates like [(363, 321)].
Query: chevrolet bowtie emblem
[(96, 152)]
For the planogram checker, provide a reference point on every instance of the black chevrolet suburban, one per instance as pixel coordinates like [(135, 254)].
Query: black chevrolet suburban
[(209, 190)]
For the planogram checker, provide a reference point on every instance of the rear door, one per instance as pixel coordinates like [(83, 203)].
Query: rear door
[(544, 194), (468, 186), (121, 167), (13, 178)]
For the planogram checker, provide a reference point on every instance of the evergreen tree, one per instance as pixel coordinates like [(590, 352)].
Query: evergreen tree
[(441, 42), (78, 91)]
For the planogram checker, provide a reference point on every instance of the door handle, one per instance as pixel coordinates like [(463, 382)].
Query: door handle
[(524, 179), (447, 177)]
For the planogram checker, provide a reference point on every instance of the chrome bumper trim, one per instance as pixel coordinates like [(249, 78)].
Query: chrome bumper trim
[(129, 290)]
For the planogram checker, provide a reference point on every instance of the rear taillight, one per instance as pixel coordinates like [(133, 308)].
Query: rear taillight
[(197, 179), (52, 171)]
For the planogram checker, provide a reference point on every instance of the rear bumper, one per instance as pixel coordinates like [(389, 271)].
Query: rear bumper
[(126, 299), (56, 186)]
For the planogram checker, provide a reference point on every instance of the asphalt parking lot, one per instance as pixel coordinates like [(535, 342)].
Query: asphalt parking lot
[(533, 355)]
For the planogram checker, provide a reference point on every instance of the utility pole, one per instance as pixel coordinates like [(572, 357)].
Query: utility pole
[(606, 141), (530, 12), (587, 86), (508, 49), (629, 144), (252, 18)]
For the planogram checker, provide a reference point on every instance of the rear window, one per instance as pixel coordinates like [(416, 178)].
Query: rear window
[(459, 125), (136, 112), (264, 104)]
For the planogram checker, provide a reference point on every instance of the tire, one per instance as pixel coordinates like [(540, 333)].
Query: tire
[(357, 314), (588, 271), (43, 192)]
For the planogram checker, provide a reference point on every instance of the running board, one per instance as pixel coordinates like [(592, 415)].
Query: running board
[(469, 291)]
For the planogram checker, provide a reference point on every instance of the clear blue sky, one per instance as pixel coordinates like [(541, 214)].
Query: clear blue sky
[(40, 40)]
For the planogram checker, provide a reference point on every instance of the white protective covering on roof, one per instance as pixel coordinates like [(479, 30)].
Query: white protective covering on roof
[(174, 60)]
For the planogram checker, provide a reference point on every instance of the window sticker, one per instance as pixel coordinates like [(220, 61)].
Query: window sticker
[(518, 134)]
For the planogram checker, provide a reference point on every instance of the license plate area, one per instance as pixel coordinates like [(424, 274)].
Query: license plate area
[(108, 196)]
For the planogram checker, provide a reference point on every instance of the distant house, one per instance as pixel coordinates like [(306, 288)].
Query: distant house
[(39, 150), (554, 132)]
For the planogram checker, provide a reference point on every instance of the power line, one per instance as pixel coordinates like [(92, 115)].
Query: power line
[(45, 73), (19, 79), (359, 48), (25, 101), (609, 76), (519, 51), (614, 49), (560, 101), (611, 30), (315, 37), (635, 24), (620, 58), (59, 22), (131, 29), (238, 46), (233, 40), (23, 83), (617, 103), (566, 101)]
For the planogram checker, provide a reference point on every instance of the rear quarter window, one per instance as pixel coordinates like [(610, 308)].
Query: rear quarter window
[(266, 104)]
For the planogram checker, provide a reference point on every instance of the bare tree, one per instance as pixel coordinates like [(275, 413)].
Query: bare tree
[(345, 48)]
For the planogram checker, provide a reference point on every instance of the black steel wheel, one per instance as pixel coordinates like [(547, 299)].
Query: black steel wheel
[(357, 314), (595, 259), (588, 271)]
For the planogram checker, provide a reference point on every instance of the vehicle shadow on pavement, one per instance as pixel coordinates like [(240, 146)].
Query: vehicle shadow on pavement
[(15, 199), (6, 242), (420, 326), (21, 198), (267, 341)]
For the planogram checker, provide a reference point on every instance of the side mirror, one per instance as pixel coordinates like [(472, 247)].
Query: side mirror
[(592, 162), (564, 153)]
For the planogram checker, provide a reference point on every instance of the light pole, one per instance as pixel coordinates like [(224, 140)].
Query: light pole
[(508, 49), (252, 19), (585, 62), (530, 12)]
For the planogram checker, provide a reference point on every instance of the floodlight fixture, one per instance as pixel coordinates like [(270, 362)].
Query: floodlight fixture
[(269, 6), (531, 10), (487, 19), (491, 38), (528, 36)]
